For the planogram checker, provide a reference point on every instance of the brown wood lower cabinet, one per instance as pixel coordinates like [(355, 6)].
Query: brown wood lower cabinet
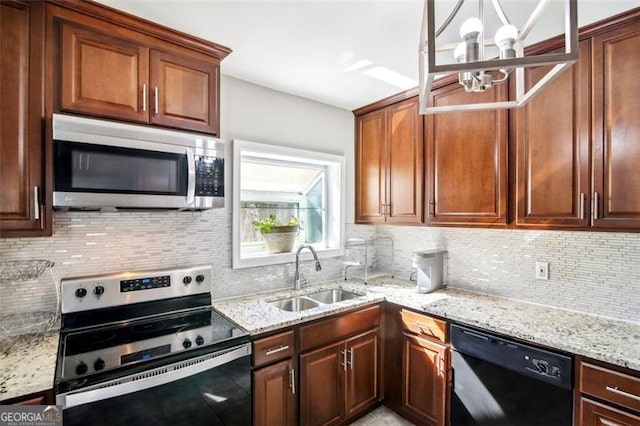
[(38, 398), (596, 414), (339, 381), (274, 394), (606, 395), (424, 379), (416, 368)]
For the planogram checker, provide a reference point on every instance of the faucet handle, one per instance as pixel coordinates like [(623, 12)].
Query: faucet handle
[(303, 280)]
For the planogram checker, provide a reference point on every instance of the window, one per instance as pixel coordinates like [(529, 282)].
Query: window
[(286, 183)]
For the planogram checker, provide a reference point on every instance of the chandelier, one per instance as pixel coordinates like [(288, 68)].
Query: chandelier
[(483, 62)]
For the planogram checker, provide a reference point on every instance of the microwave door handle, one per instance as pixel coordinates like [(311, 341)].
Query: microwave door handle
[(191, 183)]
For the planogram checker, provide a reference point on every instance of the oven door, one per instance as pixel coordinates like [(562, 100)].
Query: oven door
[(123, 173), (212, 389)]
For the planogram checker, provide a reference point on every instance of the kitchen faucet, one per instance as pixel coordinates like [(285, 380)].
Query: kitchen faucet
[(315, 257)]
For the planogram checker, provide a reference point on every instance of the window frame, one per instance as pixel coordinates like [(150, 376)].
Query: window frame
[(334, 182)]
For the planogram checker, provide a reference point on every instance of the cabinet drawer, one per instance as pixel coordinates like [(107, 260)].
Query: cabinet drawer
[(339, 327), (272, 348), (423, 325), (619, 388)]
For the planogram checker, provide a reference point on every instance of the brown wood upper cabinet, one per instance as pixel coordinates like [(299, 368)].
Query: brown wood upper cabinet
[(122, 78), (25, 206), (616, 127), (389, 165), (584, 121), (466, 159), (552, 135)]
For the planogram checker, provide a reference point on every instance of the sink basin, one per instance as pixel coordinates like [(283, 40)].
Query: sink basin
[(333, 296), (295, 304)]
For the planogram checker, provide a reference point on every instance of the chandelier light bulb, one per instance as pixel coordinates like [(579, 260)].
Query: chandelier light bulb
[(471, 29), (460, 53), (505, 38)]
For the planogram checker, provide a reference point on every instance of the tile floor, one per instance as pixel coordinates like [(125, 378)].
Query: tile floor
[(381, 416)]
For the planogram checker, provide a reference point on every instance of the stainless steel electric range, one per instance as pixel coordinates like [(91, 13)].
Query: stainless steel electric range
[(146, 346)]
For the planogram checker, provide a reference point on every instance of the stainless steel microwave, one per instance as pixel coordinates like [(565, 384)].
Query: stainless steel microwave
[(103, 165)]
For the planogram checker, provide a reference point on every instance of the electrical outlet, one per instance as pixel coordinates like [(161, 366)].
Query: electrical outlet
[(542, 270)]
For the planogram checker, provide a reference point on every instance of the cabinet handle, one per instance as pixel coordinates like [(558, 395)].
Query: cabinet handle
[(440, 365), (383, 207), (622, 393), (156, 99), (351, 359), (36, 203), (582, 198), (292, 380), (344, 359), (144, 97), (423, 328), (432, 208), (596, 205), (607, 422), (276, 350)]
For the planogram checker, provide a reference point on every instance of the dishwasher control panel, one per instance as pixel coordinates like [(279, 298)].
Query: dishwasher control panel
[(532, 361)]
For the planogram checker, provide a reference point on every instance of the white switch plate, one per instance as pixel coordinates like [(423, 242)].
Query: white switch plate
[(542, 270)]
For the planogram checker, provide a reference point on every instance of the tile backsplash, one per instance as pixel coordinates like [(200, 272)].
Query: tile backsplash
[(85, 243), (591, 272)]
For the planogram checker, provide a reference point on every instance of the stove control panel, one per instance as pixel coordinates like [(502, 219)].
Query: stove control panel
[(104, 291), (145, 283), (87, 363)]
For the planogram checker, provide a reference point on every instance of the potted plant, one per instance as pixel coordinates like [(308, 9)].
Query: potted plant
[(277, 237)]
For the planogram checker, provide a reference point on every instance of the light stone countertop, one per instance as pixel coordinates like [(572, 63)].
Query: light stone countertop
[(615, 342), (30, 370), (27, 368)]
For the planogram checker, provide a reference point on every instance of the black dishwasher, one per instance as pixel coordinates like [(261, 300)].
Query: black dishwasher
[(499, 382)]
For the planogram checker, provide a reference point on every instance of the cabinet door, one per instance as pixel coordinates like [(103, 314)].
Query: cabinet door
[(184, 92), (405, 163), (103, 75), (552, 149), (22, 162), (371, 162), (362, 372), (596, 414), (616, 107), (466, 160), (424, 369), (274, 397), (322, 385)]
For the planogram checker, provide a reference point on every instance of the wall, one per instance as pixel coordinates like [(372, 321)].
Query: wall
[(89, 243), (592, 272)]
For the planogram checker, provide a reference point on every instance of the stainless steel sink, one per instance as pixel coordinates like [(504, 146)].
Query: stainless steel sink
[(295, 304), (333, 296)]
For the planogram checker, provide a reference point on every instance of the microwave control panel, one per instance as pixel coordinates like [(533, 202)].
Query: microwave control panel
[(209, 177)]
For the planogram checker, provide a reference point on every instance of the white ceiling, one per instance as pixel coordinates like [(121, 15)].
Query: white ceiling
[(333, 51)]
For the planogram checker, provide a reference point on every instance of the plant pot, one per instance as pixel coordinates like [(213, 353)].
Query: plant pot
[(280, 239)]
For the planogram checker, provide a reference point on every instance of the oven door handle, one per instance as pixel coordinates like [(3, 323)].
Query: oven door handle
[(191, 182), (152, 378)]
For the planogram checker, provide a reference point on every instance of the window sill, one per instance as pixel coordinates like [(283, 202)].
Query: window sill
[(281, 258)]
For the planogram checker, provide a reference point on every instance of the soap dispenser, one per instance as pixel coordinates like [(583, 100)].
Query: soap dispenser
[(429, 273)]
